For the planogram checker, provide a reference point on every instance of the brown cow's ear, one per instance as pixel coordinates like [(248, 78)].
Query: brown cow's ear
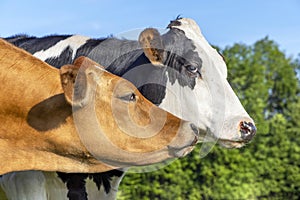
[(78, 80), (152, 44), (70, 76)]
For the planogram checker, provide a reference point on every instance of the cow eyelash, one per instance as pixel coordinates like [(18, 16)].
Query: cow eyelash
[(130, 97)]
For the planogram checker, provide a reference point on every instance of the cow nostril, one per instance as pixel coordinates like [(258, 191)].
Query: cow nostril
[(248, 130)]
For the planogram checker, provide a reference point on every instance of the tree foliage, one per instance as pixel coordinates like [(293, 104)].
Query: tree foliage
[(265, 80)]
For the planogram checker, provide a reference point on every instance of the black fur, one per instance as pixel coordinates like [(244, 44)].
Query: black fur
[(62, 59), (76, 185)]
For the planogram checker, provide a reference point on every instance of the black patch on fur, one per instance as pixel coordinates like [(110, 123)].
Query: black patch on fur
[(111, 52), (180, 57), (88, 47), (75, 182), (64, 58), (34, 44), (133, 65), (149, 79), (76, 185), (105, 178)]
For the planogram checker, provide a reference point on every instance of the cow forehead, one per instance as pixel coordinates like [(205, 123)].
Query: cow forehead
[(206, 52), (186, 23)]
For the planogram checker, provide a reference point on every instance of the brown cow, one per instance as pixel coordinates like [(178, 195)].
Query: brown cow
[(37, 125)]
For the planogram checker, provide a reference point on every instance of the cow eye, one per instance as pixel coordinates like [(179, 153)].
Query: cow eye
[(129, 97), (193, 70)]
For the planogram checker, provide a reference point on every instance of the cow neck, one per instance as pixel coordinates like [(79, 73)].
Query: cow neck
[(26, 81)]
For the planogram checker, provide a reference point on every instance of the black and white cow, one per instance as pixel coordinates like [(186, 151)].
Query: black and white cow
[(178, 71)]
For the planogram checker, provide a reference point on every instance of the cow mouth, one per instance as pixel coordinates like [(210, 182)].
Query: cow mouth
[(230, 144), (226, 143), (183, 151)]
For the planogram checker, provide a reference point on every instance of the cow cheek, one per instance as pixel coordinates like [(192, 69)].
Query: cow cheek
[(139, 112)]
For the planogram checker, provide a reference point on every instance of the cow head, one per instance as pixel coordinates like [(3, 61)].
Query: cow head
[(116, 123), (181, 73)]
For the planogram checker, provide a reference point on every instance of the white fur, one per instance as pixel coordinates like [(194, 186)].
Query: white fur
[(26, 185), (177, 97)]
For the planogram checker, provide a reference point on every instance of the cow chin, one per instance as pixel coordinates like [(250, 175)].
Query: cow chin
[(179, 153)]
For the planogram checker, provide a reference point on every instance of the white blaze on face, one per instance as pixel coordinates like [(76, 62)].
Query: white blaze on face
[(211, 105), (183, 102)]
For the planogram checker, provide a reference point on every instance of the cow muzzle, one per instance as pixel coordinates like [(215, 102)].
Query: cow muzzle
[(236, 132)]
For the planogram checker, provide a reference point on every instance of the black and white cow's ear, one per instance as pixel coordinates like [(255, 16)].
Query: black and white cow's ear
[(78, 81), (152, 44)]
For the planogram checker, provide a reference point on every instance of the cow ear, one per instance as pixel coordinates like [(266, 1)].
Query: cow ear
[(79, 80), (152, 44)]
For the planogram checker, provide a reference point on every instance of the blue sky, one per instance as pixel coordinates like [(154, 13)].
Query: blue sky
[(223, 22)]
